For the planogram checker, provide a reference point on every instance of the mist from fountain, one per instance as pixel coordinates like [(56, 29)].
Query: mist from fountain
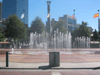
[(58, 40), (82, 42)]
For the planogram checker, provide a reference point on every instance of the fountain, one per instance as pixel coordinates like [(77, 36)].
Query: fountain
[(15, 52), (58, 41), (82, 42)]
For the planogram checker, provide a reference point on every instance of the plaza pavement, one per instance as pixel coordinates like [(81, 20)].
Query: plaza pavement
[(49, 72), (70, 64), (91, 68), (89, 65)]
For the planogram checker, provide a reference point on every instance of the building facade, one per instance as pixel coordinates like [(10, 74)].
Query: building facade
[(70, 23), (3, 26), (18, 7), (0, 11)]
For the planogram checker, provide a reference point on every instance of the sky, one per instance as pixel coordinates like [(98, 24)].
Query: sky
[(84, 10)]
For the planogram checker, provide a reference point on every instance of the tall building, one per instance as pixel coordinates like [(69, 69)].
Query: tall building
[(70, 24), (3, 26), (0, 11), (18, 7)]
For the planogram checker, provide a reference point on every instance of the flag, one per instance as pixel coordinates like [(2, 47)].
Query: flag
[(96, 15), (48, 15), (73, 16), (22, 16)]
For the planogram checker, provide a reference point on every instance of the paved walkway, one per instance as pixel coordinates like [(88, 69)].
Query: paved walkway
[(62, 65), (71, 58), (71, 64), (50, 72), (92, 68)]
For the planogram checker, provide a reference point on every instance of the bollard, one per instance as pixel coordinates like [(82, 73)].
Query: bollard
[(7, 58)]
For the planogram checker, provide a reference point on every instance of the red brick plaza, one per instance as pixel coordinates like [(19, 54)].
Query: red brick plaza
[(42, 56)]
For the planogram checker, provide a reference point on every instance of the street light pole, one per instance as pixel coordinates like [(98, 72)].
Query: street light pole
[(49, 22), (24, 21)]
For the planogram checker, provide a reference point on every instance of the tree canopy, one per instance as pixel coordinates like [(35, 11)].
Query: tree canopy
[(95, 35), (15, 28), (37, 25), (2, 34), (60, 26), (83, 30)]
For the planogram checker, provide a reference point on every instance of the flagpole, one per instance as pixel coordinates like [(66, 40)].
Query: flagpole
[(98, 27), (74, 12), (24, 22), (98, 12)]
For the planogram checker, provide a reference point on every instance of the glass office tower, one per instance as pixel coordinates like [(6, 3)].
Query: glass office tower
[(17, 7)]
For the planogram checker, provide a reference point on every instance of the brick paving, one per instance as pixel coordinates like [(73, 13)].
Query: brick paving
[(50, 72), (14, 72), (80, 72), (45, 58)]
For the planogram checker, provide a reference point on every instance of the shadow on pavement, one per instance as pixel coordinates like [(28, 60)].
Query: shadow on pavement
[(96, 68), (48, 67)]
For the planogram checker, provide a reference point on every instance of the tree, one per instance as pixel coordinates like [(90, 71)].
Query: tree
[(83, 30), (37, 25), (2, 37), (15, 28), (60, 26), (95, 35)]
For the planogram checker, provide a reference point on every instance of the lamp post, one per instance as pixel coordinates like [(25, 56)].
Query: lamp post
[(24, 22), (49, 23)]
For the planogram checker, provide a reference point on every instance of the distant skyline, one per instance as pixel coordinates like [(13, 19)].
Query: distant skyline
[(84, 10)]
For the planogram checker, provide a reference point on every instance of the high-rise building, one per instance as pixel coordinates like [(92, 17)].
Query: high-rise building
[(3, 26), (0, 11), (70, 23), (18, 7)]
